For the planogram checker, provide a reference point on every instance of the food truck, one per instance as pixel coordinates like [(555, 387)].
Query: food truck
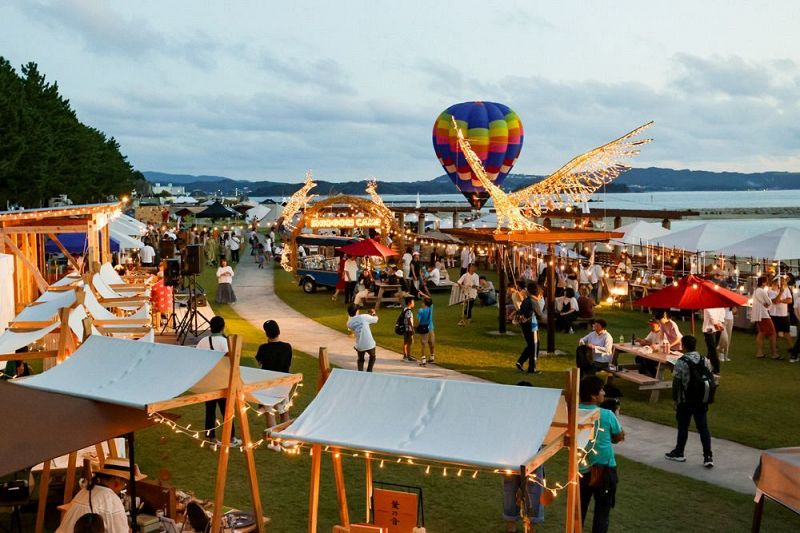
[(320, 266)]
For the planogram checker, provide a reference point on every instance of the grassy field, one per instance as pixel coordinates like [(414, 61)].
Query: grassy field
[(648, 499), (751, 407)]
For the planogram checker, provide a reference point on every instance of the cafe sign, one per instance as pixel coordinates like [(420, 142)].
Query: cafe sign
[(344, 222)]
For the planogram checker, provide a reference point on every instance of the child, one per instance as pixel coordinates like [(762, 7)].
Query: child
[(260, 257)]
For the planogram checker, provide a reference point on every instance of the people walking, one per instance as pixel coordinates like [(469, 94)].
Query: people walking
[(599, 471), (529, 324), (692, 390), (360, 326), (425, 330)]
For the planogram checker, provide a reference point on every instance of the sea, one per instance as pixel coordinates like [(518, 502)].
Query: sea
[(746, 227)]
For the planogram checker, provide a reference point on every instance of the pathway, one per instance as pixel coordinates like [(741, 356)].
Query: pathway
[(646, 442)]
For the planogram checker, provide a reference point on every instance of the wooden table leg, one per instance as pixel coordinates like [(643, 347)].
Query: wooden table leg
[(758, 512), (380, 299), (660, 377)]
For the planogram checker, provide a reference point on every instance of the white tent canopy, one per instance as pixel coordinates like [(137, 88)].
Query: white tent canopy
[(257, 213), (137, 374), (781, 244), (435, 419), (701, 238), (640, 232)]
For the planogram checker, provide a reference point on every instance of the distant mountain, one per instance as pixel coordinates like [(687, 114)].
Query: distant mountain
[(635, 180)]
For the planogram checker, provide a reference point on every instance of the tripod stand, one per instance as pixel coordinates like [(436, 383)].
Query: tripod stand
[(173, 317), (193, 321)]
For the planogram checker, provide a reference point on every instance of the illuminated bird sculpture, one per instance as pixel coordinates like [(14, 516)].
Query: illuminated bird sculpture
[(299, 200), (572, 184)]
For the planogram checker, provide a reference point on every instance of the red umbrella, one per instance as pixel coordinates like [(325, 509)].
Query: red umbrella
[(692, 293), (369, 248)]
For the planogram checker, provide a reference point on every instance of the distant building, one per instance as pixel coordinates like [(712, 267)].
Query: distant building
[(62, 200), (174, 190)]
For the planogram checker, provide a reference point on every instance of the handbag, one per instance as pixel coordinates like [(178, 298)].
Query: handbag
[(597, 476)]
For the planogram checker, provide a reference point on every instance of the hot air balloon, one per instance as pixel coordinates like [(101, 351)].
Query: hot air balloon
[(495, 133)]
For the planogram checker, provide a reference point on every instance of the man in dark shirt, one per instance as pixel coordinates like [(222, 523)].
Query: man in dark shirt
[(275, 355)]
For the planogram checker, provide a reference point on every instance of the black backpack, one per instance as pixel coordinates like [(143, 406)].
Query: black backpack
[(400, 323), (701, 387)]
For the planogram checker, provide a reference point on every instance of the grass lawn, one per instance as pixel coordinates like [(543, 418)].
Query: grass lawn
[(754, 403), (648, 499)]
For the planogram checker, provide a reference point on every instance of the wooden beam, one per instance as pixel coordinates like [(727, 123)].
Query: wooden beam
[(186, 400), (573, 518), (324, 367), (64, 251), (44, 229), (37, 276), (341, 492), (368, 483), (286, 380), (250, 461), (231, 396), (44, 484), (69, 482), (64, 336), (27, 356), (313, 492)]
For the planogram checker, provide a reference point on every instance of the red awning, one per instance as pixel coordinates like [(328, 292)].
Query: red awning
[(692, 292), (367, 248)]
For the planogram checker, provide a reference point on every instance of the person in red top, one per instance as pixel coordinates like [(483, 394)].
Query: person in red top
[(161, 295)]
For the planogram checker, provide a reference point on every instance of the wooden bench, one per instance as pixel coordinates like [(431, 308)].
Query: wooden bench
[(635, 377), (583, 323)]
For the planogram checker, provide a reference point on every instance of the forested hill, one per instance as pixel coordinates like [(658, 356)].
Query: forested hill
[(635, 180), (46, 151)]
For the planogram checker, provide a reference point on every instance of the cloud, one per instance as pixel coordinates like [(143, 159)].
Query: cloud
[(324, 74)]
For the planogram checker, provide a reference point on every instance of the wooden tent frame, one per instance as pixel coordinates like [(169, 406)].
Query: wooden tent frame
[(23, 234), (563, 433)]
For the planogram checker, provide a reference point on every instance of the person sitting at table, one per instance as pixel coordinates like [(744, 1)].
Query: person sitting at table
[(586, 303), (653, 339), (601, 343), (566, 310), (670, 330), (486, 291)]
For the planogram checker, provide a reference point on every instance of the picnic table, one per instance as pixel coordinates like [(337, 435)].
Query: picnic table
[(387, 292), (629, 372)]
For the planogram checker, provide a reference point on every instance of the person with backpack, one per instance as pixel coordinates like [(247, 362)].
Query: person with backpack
[(693, 389), (405, 326)]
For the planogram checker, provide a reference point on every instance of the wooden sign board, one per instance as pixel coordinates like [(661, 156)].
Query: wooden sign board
[(395, 511)]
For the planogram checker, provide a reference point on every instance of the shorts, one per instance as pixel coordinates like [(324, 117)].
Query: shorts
[(781, 323), (766, 327)]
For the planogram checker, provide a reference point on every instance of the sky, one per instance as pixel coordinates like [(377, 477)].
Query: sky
[(266, 90)]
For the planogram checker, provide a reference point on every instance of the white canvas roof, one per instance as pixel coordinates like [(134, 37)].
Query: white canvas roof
[(481, 424), (135, 373), (640, 232), (701, 238), (781, 244), (46, 307), (11, 341), (256, 213)]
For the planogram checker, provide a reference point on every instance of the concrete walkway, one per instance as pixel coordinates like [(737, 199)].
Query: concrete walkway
[(646, 442)]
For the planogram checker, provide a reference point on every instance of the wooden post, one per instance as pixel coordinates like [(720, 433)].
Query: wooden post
[(106, 255), (551, 298), (341, 493), (44, 484), (313, 490), (64, 334), (368, 463), (758, 512), (501, 296), (234, 354), (573, 518), (69, 482), (324, 367), (250, 460)]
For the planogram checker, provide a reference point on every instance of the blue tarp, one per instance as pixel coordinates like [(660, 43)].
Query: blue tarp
[(75, 243)]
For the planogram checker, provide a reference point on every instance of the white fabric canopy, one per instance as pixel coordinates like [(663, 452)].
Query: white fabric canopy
[(126, 242), (46, 307), (127, 372), (11, 341), (701, 238), (99, 311), (481, 424), (781, 244), (105, 291), (218, 379), (138, 374), (256, 213), (6, 290), (640, 232)]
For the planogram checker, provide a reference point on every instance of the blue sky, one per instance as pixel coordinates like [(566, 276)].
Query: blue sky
[(266, 90)]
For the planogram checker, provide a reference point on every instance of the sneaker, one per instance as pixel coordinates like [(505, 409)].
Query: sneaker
[(519, 367), (423, 362), (708, 461), (675, 456), (793, 359), (432, 359), (571, 331), (407, 358)]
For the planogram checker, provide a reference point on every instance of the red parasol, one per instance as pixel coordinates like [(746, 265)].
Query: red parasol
[(692, 293), (367, 248)]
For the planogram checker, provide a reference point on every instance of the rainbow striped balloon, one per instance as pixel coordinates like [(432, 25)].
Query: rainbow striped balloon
[(495, 133)]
